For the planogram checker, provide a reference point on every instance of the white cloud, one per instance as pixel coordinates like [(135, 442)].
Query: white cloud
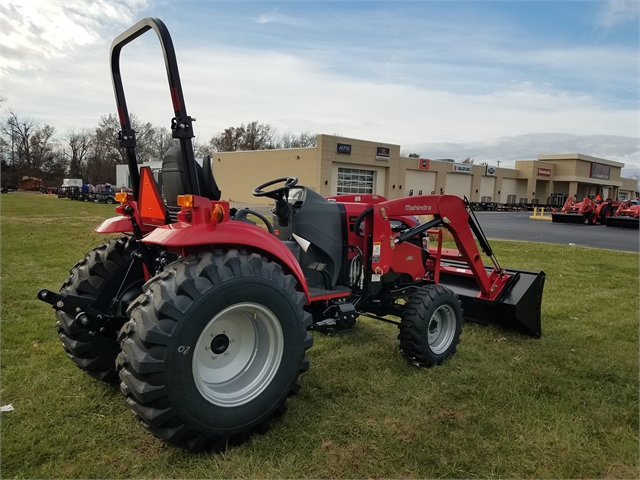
[(35, 32), (279, 18), (617, 12), (396, 96), (528, 147)]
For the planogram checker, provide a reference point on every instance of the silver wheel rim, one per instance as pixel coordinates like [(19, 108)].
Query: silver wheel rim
[(441, 329), (238, 354)]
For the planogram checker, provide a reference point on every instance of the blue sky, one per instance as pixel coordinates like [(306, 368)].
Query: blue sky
[(491, 80)]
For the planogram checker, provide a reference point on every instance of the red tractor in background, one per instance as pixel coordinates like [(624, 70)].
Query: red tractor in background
[(589, 210), (627, 215), (202, 315)]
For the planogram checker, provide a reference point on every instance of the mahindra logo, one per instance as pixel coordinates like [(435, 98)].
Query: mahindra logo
[(412, 208)]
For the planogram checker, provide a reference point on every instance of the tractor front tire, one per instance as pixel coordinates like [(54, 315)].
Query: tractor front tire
[(214, 348), (100, 274), (430, 326)]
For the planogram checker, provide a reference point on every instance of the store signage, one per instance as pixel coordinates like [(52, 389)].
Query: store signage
[(344, 148), (382, 153), (423, 163), (490, 171), (461, 168), (546, 172), (598, 170)]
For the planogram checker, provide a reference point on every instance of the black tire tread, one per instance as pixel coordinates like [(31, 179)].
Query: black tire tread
[(154, 316), (95, 355), (413, 326)]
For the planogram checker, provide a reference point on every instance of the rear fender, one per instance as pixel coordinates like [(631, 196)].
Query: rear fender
[(119, 224), (193, 238)]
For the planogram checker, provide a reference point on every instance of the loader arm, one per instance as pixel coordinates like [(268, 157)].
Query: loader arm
[(488, 294), (451, 212)]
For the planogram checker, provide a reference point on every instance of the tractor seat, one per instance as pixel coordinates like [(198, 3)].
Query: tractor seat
[(175, 180)]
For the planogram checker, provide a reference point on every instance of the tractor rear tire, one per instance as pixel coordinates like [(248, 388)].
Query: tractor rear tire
[(214, 348), (100, 275), (430, 326), (605, 212)]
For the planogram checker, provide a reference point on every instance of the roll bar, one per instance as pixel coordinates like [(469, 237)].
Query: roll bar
[(181, 124)]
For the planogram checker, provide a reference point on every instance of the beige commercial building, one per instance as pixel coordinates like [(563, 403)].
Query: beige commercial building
[(339, 165), (346, 165)]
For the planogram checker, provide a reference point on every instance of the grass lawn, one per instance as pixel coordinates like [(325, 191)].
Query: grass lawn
[(564, 406)]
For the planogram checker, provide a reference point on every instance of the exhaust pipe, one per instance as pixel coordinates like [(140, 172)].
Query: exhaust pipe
[(518, 308)]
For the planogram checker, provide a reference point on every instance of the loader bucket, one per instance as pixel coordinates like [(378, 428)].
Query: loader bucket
[(518, 308), (575, 218), (623, 222)]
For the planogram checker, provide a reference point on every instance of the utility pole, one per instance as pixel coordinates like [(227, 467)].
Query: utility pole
[(498, 163)]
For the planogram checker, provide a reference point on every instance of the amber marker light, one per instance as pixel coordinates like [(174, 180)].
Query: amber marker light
[(121, 197), (217, 213), (185, 201)]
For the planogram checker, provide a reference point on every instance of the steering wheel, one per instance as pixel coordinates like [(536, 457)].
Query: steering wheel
[(276, 193)]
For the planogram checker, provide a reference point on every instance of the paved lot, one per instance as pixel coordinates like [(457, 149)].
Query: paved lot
[(518, 226)]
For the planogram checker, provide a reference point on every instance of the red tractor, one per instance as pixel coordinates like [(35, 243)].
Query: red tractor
[(589, 210), (203, 316), (627, 215)]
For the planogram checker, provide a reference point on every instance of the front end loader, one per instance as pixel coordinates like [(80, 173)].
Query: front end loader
[(202, 316), (627, 215)]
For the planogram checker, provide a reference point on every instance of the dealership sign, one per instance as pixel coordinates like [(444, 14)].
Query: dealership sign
[(461, 168), (423, 163), (490, 171), (598, 170), (382, 153), (545, 172), (344, 148)]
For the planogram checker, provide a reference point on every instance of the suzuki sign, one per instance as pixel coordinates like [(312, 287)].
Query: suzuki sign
[(461, 168)]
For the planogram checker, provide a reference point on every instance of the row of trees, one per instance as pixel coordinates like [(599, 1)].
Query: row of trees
[(257, 136), (28, 148)]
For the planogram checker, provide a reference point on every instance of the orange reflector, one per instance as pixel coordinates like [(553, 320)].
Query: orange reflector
[(217, 213), (185, 201), (152, 209), (121, 197)]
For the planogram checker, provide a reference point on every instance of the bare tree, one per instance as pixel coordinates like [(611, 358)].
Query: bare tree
[(160, 142), (19, 131), (636, 175), (258, 136), (230, 140), (302, 140), (79, 144), (41, 146)]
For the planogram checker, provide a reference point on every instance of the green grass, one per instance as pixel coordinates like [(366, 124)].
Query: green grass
[(564, 406)]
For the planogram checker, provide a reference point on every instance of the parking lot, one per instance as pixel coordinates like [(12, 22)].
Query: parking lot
[(518, 226)]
